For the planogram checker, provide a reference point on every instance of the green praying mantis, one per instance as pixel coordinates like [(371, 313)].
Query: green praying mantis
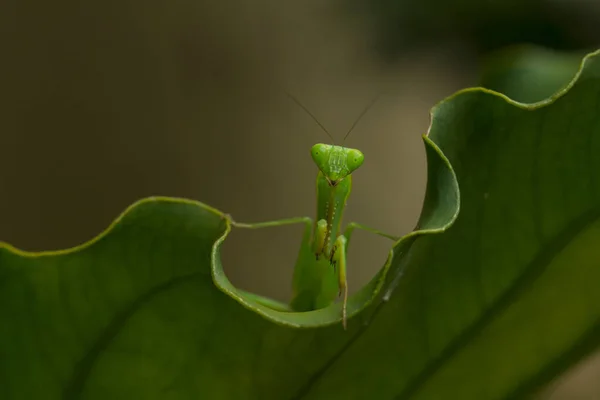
[(320, 271)]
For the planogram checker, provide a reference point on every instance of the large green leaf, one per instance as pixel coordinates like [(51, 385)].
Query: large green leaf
[(528, 73), (493, 308)]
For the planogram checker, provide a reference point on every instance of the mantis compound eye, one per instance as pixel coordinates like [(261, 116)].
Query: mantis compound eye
[(354, 159), (320, 154)]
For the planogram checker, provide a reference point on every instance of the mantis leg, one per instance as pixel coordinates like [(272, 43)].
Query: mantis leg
[(338, 258), (268, 224), (353, 225), (320, 238), (270, 303)]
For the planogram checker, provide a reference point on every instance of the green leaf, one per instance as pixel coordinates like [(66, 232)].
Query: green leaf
[(528, 73), (493, 308)]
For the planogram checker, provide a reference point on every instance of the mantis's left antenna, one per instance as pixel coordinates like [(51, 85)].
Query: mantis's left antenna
[(311, 115), (362, 114)]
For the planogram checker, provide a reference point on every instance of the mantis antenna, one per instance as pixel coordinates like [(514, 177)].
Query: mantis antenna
[(362, 114), (311, 115)]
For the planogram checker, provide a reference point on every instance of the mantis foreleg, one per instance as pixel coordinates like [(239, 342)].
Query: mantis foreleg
[(338, 257)]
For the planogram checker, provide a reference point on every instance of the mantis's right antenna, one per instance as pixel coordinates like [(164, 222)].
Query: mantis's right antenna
[(309, 113), (362, 114)]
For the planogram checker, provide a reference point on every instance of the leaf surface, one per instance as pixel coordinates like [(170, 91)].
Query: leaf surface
[(491, 307)]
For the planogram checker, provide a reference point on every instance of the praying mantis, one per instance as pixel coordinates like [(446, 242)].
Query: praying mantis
[(320, 271)]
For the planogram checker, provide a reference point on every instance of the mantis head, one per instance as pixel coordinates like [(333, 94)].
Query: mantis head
[(336, 162)]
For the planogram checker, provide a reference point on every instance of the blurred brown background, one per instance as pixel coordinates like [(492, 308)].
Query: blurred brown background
[(107, 102)]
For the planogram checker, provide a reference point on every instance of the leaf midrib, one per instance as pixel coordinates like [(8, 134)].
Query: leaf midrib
[(531, 273), (83, 368)]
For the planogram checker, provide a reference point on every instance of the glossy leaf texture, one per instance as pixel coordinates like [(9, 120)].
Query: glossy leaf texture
[(493, 306)]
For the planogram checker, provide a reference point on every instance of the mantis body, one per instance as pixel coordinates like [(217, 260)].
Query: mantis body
[(320, 271)]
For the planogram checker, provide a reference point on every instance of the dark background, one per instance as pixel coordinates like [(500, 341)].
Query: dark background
[(105, 102)]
